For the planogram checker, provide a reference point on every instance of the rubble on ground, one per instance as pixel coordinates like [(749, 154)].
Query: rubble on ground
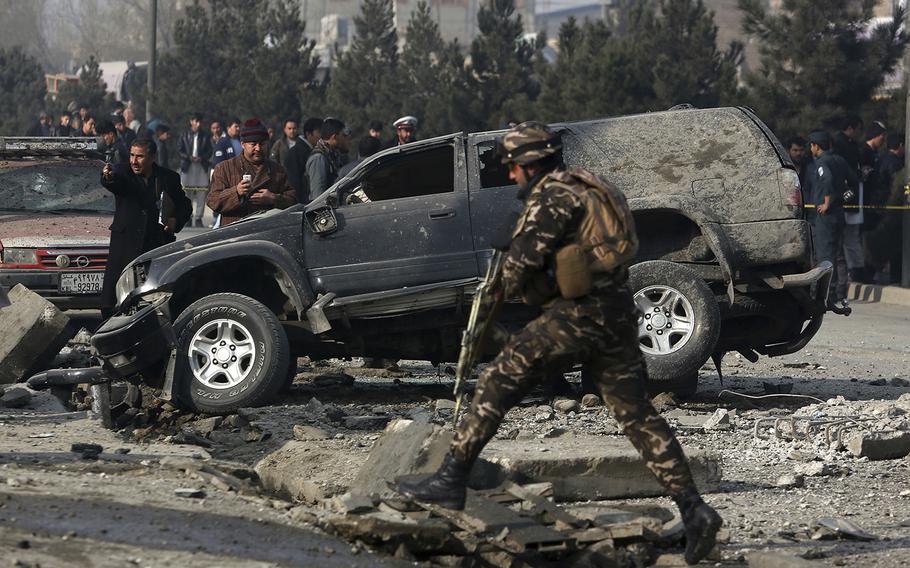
[(34, 331)]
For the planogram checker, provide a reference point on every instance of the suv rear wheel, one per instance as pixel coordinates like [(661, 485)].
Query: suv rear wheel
[(679, 325), (232, 352)]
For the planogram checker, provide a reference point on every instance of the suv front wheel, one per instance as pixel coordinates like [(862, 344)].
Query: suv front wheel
[(678, 326), (232, 352)]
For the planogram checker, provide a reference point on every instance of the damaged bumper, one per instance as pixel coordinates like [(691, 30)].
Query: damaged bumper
[(816, 282)]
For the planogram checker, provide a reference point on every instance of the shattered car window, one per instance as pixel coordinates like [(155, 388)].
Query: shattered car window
[(493, 173), (426, 172), (53, 186)]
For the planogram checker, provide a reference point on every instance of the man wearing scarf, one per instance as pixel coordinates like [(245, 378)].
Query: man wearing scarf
[(234, 197)]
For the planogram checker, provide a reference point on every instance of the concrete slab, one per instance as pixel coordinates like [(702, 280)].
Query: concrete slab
[(406, 447), (33, 332), (589, 468), (880, 445)]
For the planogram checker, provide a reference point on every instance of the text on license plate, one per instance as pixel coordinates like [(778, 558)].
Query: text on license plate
[(81, 282)]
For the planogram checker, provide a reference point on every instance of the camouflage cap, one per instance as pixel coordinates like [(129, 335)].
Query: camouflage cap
[(528, 142)]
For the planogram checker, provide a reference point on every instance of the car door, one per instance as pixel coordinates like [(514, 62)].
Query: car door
[(415, 229), (493, 196)]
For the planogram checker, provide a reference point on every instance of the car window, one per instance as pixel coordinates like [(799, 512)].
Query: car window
[(493, 173), (53, 186), (412, 174)]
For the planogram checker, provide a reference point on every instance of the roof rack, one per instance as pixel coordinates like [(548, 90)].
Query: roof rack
[(21, 146)]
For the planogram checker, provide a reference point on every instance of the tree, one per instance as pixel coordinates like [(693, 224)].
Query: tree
[(500, 82), (236, 58), (22, 91), (819, 61), (366, 83), (90, 89), (688, 66), (431, 69), (667, 55)]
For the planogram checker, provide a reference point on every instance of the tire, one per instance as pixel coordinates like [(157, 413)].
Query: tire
[(229, 324), (680, 336)]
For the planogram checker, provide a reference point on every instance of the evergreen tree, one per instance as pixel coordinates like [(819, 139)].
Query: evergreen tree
[(237, 58), (500, 83), (819, 61), (688, 67), (22, 91), (667, 55), (430, 69), (90, 89), (366, 84)]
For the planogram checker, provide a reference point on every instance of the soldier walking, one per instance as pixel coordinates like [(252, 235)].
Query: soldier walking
[(598, 329)]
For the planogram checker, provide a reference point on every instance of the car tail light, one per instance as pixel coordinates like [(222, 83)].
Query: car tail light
[(790, 191)]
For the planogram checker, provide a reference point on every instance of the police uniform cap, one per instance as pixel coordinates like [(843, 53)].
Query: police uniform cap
[(406, 121), (821, 138)]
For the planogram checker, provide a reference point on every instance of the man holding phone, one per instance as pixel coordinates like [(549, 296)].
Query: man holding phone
[(250, 182)]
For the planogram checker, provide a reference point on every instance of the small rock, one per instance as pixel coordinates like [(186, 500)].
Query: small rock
[(789, 481), (88, 451), (444, 404), (565, 405), (307, 433), (664, 401), (353, 503), (720, 420), (899, 382), (559, 433), (256, 435), (814, 469), (122, 451), (420, 415), (591, 401), (800, 456), (236, 421), (207, 425), (366, 422), (189, 493), (16, 397)]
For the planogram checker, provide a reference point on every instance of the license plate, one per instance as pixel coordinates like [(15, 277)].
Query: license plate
[(81, 282)]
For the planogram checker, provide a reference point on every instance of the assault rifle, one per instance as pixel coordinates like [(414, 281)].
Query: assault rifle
[(487, 299)]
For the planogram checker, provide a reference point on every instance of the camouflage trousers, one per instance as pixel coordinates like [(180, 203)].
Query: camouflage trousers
[(604, 338)]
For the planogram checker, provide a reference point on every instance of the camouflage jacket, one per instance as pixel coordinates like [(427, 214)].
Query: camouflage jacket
[(550, 221)]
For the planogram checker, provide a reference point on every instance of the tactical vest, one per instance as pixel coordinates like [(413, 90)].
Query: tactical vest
[(607, 231)]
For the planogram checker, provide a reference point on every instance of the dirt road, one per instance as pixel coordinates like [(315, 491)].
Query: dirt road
[(57, 508)]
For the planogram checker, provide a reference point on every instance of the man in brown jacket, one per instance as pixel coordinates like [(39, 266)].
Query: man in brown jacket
[(267, 187)]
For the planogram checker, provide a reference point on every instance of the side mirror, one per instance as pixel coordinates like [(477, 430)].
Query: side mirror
[(321, 221)]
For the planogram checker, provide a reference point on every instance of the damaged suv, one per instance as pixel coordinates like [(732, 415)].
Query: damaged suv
[(385, 262)]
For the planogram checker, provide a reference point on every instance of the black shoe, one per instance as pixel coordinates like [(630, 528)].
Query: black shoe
[(445, 488), (701, 522), (843, 309)]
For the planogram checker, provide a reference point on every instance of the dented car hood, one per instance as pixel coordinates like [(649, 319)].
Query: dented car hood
[(38, 230)]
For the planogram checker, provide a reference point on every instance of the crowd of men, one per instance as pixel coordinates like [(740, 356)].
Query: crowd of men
[(299, 162), (849, 180)]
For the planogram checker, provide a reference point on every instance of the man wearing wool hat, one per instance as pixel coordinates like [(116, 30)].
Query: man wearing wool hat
[(250, 182)]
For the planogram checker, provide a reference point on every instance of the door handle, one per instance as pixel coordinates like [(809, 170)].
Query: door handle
[(445, 213)]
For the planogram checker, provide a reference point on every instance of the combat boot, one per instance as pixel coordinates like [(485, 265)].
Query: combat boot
[(701, 522), (446, 487)]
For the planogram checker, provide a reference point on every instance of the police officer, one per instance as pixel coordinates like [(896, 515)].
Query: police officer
[(831, 181), (599, 330)]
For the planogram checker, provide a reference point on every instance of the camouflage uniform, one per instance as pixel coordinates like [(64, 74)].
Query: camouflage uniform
[(599, 330)]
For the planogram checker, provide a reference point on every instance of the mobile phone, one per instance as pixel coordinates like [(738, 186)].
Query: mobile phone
[(247, 177)]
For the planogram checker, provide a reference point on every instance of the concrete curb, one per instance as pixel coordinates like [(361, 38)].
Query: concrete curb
[(872, 293)]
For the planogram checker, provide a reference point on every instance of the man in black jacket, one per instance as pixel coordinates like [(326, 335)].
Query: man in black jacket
[(195, 151), (150, 206)]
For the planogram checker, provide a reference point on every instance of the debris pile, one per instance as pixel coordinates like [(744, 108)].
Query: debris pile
[(507, 526)]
